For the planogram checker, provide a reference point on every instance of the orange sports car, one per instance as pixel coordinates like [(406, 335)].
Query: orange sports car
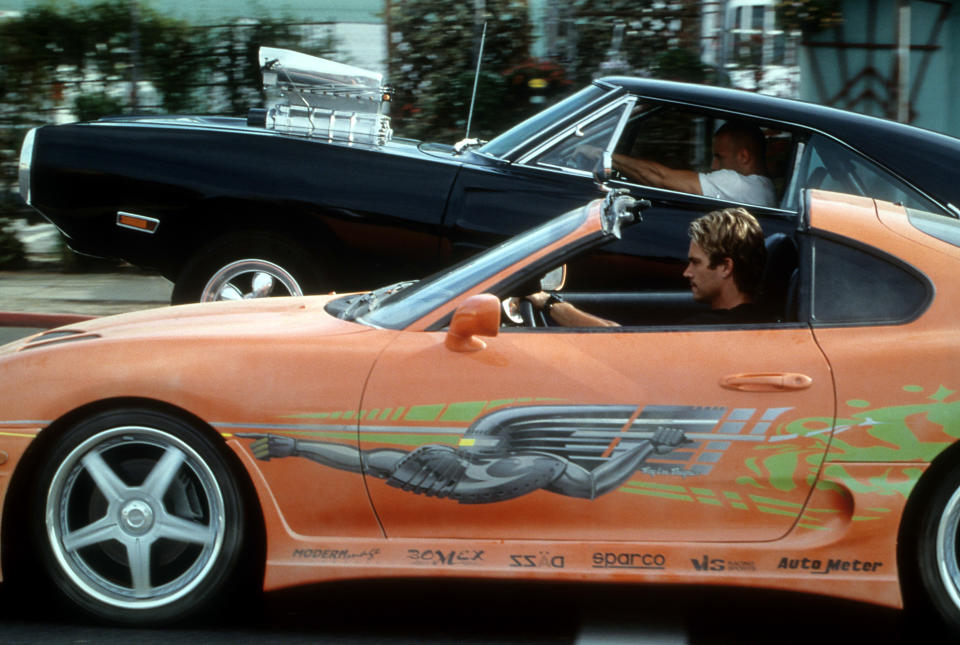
[(153, 461)]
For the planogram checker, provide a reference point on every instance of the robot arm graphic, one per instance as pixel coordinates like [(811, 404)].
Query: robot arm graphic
[(577, 481), (379, 463), (442, 471)]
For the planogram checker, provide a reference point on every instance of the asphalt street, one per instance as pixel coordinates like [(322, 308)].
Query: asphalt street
[(401, 612)]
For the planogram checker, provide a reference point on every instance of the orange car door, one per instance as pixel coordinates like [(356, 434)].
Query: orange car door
[(622, 434)]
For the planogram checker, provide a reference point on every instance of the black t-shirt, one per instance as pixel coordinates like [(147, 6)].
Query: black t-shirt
[(748, 312)]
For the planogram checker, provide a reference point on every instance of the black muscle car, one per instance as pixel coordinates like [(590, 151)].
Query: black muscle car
[(313, 192)]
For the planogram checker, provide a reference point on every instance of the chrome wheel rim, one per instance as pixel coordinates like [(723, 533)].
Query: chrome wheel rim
[(250, 278), (948, 534), (135, 518)]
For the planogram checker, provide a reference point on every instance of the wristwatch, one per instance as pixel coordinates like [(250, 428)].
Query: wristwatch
[(553, 299)]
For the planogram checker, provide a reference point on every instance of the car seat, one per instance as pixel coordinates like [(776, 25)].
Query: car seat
[(779, 277)]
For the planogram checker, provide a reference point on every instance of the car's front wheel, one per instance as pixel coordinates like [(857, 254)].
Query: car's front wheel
[(138, 517), (247, 265)]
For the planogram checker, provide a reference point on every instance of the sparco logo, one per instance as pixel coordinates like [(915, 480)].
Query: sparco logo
[(610, 560)]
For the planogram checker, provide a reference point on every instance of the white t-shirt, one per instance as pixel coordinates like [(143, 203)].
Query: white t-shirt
[(731, 185)]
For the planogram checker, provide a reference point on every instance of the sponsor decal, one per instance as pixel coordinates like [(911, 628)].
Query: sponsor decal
[(623, 560), (335, 554), (706, 563), (444, 557), (541, 560), (830, 565)]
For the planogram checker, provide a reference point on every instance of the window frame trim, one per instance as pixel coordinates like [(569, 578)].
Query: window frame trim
[(528, 159)]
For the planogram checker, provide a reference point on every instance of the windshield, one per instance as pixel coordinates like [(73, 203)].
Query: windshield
[(502, 145), (414, 301)]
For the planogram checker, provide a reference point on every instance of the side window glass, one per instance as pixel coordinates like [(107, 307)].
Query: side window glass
[(831, 166), (675, 138), (684, 139), (580, 148), (851, 285)]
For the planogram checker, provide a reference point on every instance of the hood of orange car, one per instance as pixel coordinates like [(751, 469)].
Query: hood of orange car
[(242, 319)]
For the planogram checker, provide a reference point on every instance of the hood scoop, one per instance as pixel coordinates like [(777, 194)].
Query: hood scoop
[(58, 337)]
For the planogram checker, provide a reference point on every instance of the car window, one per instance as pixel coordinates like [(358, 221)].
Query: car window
[(828, 165), (682, 138), (406, 305), (516, 136), (856, 285), (643, 291), (675, 138), (579, 147)]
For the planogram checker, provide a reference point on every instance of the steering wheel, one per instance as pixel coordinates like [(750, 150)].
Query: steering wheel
[(528, 313)]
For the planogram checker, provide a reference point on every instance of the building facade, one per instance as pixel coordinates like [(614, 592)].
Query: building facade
[(896, 59)]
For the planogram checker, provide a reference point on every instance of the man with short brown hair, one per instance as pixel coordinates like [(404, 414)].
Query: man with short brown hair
[(724, 266)]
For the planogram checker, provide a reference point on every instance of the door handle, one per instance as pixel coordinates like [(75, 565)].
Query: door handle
[(767, 382)]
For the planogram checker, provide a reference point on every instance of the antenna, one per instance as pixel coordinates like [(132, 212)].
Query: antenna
[(476, 79)]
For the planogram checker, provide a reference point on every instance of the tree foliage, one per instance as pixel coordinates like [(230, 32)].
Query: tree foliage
[(57, 51), (433, 57), (433, 53), (629, 36), (61, 60)]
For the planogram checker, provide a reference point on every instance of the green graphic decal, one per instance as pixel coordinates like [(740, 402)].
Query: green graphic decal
[(889, 434), (462, 412), (909, 432), (811, 518), (916, 432)]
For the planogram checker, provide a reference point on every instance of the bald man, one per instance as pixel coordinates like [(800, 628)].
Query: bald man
[(737, 171)]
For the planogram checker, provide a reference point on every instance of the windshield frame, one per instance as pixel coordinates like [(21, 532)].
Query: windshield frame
[(426, 301), (586, 100)]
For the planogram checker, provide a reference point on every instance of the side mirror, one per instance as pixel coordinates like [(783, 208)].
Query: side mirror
[(477, 316), (555, 279), (603, 171)]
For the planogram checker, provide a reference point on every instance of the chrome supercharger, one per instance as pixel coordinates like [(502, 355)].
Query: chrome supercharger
[(316, 97)]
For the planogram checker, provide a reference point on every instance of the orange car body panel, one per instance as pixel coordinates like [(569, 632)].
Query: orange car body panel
[(799, 485)]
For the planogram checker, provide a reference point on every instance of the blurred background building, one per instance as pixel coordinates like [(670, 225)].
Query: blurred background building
[(892, 58), (896, 59)]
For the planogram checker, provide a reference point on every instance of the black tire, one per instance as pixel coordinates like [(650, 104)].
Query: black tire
[(226, 269), (138, 518), (936, 548)]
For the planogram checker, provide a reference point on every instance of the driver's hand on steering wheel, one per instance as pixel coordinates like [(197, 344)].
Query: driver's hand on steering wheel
[(538, 299)]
